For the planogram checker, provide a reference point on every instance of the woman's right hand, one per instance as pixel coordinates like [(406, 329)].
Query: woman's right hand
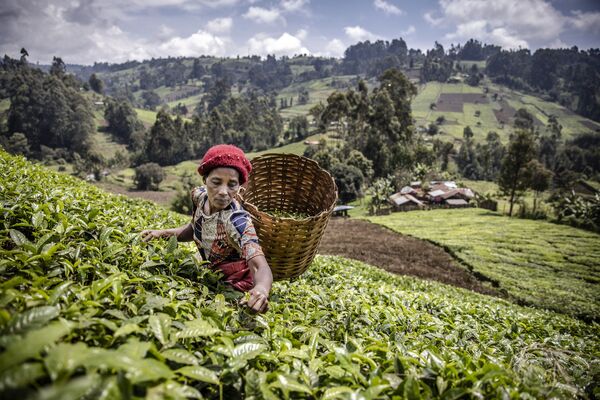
[(150, 234)]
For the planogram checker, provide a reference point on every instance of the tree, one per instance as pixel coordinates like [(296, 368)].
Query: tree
[(17, 144), (337, 110), (96, 84), (466, 159), (303, 96), (513, 178), (151, 99), (490, 156), (380, 191), (433, 129), (24, 55), (349, 181), (316, 112), (443, 151), (358, 160), (58, 67), (122, 120), (538, 179), (197, 70), (46, 108), (297, 128), (148, 176)]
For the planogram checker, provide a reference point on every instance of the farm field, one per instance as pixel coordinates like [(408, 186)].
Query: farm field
[(146, 116), (88, 309), (318, 89), (535, 262), (459, 102)]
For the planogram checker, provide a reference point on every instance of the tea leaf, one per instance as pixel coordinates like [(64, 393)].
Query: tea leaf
[(199, 373), (32, 318), (33, 342), (160, 324)]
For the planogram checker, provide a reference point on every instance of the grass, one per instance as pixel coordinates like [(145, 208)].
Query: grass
[(4, 105), (296, 148), (146, 116), (535, 262), (104, 144), (318, 91), (469, 63)]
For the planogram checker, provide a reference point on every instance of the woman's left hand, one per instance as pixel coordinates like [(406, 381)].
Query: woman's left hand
[(259, 299)]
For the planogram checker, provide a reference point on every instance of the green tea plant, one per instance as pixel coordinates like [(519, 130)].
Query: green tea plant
[(538, 263), (89, 311)]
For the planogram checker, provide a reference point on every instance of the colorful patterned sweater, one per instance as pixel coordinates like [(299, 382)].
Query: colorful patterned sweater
[(226, 236)]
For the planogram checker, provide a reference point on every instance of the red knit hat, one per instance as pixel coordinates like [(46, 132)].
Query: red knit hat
[(225, 155)]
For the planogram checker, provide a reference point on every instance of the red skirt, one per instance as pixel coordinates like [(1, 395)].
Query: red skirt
[(237, 274)]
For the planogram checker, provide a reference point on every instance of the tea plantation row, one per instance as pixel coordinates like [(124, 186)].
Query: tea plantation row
[(89, 311), (535, 262)]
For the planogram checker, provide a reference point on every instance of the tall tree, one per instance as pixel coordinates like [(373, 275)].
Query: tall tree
[(513, 178), (96, 84)]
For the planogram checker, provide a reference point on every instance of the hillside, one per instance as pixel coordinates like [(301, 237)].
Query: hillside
[(535, 262), (89, 309), (485, 107)]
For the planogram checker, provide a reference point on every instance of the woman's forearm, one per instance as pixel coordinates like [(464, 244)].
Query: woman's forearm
[(261, 272), (183, 233)]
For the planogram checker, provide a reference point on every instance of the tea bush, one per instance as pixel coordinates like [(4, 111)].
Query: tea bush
[(89, 311)]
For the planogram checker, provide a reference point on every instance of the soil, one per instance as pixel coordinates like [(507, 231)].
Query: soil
[(163, 198), (404, 255), (453, 102)]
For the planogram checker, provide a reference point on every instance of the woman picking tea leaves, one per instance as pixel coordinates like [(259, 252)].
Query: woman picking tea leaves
[(222, 229)]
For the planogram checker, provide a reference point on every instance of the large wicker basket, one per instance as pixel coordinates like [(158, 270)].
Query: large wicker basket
[(287, 183)]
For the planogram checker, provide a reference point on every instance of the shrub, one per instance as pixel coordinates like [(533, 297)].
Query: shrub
[(148, 176)]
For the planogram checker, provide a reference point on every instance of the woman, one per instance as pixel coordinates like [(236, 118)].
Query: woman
[(222, 229)]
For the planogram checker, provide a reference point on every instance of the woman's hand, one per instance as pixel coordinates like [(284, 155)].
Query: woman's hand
[(150, 234), (259, 299)]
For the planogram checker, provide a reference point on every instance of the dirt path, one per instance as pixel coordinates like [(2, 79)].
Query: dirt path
[(364, 241)]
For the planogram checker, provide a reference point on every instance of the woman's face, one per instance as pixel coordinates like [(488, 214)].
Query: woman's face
[(222, 184)]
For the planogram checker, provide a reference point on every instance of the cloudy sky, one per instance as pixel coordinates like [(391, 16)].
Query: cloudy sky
[(84, 31)]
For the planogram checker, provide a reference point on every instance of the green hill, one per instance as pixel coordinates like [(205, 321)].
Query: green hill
[(90, 311)]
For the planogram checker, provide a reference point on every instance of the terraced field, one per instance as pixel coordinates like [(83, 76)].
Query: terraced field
[(462, 105), (535, 262)]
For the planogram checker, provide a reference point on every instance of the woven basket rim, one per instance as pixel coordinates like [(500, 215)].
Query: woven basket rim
[(306, 159)]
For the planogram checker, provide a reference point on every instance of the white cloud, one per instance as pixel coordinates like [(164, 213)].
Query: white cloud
[(586, 21), (505, 39), (301, 34), (510, 23), (293, 5), (387, 8), (482, 30), (219, 25), (428, 16), (263, 15), (359, 34), (409, 31), (164, 31), (199, 43), (335, 48), (286, 44), (558, 44)]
